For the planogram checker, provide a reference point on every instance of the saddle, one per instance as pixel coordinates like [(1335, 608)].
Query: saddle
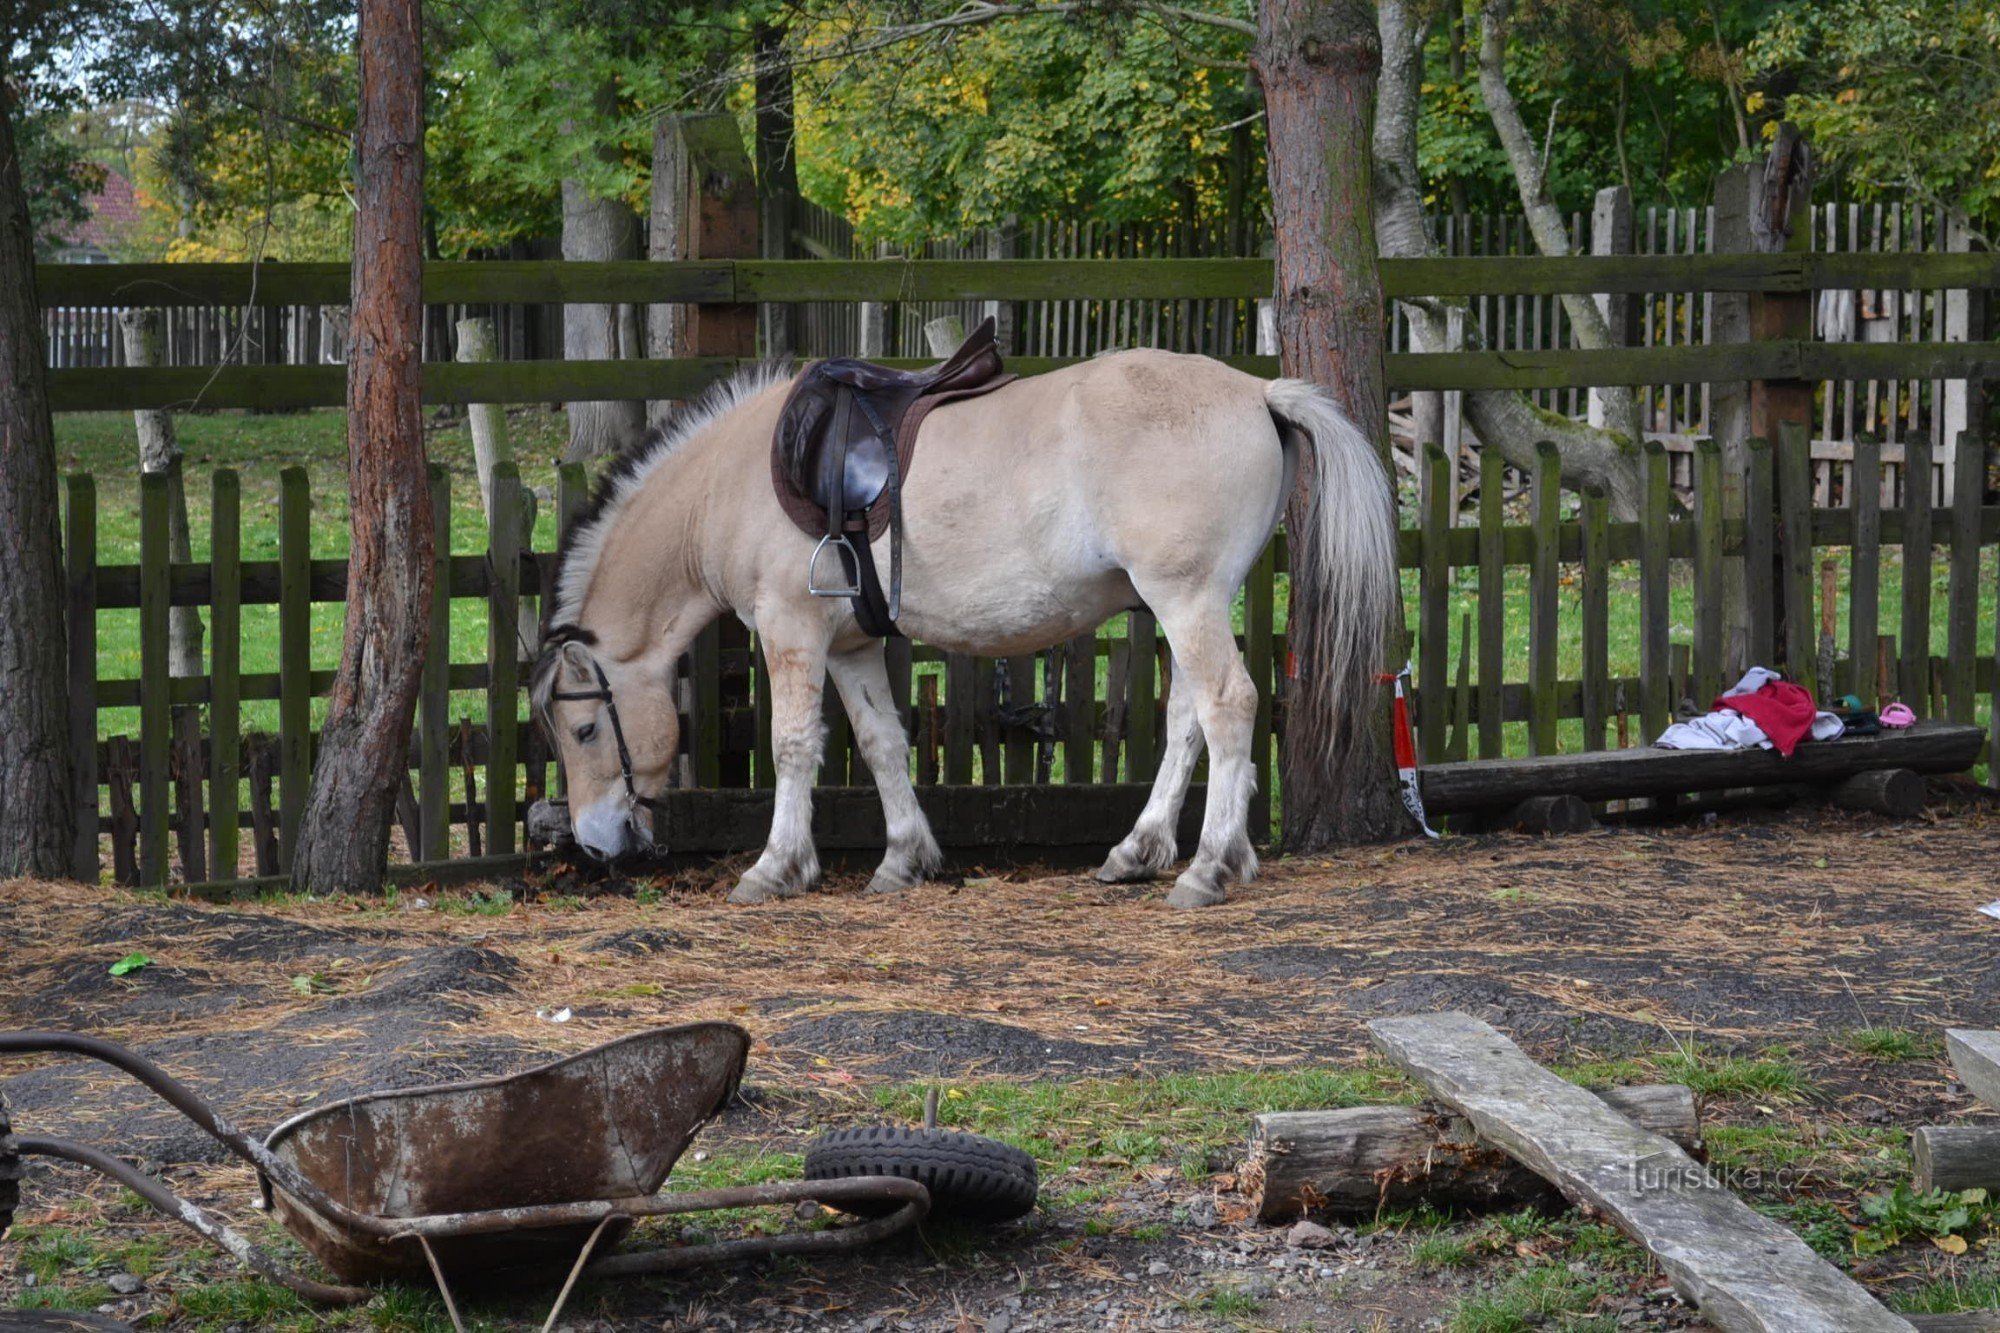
[(844, 443)]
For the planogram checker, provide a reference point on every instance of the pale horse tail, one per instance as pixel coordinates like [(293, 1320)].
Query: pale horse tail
[(1347, 549)]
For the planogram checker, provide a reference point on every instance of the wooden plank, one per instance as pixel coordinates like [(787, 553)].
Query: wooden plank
[(1544, 592), (1433, 600), (1655, 583), (1928, 747), (959, 687), (1962, 614), (1864, 577), (434, 690), (294, 657), (1743, 1270), (1492, 602), (1708, 523), (1976, 1057), (1759, 601), (1795, 499), (155, 738), (1018, 740), (225, 626), (80, 602), (1080, 708), (503, 656), (1142, 721), (1913, 676), (1596, 595)]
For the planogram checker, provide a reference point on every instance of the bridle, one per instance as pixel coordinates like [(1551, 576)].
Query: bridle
[(602, 694)]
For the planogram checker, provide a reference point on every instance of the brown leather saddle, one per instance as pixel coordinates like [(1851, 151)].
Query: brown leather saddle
[(844, 443)]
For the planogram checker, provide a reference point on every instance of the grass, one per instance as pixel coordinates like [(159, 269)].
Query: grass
[(1773, 1076), (1538, 1296), (1963, 1288), (1894, 1045)]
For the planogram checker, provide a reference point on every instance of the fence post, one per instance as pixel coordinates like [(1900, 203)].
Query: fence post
[(434, 713), (1781, 220), (81, 556), (1543, 591), (503, 656), (1433, 596), (155, 680), (225, 545), (294, 657)]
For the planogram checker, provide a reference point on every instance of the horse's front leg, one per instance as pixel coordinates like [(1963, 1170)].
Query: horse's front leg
[(862, 677), (795, 662)]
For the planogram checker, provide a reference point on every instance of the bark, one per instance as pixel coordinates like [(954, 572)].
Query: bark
[(160, 451), (344, 832), (1545, 220), (37, 818), (597, 228), (1504, 420), (666, 241), (1318, 63), (777, 176)]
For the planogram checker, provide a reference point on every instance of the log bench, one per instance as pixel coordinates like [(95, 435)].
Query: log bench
[(1552, 793)]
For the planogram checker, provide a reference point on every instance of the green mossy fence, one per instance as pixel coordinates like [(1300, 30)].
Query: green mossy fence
[(1083, 719)]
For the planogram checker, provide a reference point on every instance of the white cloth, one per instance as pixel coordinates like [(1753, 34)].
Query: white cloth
[(1724, 729), (1755, 679)]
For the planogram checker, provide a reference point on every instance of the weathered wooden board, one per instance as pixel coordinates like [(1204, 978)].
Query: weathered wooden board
[(1361, 1159), (1928, 747), (1743, 1270), (1976, 1057)]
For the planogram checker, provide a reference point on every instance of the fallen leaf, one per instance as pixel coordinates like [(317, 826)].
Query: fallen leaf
[(130, 963), (1949, 1244)]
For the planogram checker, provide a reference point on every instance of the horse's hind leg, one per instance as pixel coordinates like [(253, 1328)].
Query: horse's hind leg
[(862, 677), (1211, 674), (1151, 845)]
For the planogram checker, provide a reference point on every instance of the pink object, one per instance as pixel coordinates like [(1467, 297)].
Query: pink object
[(1898, 716), (1782, 711)]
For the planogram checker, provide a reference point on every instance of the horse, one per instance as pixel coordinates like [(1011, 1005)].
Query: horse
[(1136, 479)]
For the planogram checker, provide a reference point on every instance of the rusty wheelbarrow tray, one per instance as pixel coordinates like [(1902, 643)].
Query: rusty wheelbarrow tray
[(527, 1174)]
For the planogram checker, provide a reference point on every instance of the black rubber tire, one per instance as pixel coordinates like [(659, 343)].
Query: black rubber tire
[(10, 1172), (970, 1178)]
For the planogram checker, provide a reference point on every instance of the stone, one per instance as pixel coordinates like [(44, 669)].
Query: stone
[(1158, 1269), (1311, 1236), (125, 1284), (999, 1323)]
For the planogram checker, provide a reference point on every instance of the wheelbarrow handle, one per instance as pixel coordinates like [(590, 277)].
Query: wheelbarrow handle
[(192, 1216), (915, 1200), (183, 1099)]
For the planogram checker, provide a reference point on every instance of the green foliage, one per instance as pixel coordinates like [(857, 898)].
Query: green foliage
[(1894, 97), (1946, 1216)]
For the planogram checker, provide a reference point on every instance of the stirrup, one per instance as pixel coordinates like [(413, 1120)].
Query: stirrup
[(841, 545)]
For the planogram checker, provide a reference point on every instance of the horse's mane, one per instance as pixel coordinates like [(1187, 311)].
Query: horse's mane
[(622, 479)]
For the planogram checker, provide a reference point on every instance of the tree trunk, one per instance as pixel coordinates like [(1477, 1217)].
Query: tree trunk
[(1545, 220), (666, 324), (344, 834), (1318, 64), (487, 421), (160, 451), (37, 821), (777, 177), (1503, 419), (595, 228)]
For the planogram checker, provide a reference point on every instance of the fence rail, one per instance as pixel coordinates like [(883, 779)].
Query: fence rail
[(1089, 711)]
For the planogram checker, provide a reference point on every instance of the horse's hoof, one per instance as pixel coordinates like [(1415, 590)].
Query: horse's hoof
[(755, 888), (890, 881), (1131, 863), (1196, 888)]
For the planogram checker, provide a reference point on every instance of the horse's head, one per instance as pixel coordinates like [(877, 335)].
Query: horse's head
[(615, 731)]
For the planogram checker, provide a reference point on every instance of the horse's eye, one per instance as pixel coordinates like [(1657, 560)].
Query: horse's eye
[(586, 733)]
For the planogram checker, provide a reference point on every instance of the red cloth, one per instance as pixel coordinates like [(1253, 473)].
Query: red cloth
[(1782, 710)]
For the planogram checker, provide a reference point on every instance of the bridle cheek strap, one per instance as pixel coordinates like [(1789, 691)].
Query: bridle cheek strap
[(602, 694)]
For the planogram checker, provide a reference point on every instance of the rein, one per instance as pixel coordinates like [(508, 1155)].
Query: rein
[(602, 694)]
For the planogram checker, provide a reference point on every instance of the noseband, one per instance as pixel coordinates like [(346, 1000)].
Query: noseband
[(602, 694)]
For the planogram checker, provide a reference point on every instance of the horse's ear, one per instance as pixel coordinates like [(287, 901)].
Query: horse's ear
[(577, 661)]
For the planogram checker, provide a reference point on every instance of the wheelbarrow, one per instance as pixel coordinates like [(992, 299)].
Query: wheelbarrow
[(521, 1176)]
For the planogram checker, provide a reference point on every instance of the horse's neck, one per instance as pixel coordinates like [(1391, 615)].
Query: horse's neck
[(649, 594)]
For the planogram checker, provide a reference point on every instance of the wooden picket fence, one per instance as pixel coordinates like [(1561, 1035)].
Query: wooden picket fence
[(1082, 722)]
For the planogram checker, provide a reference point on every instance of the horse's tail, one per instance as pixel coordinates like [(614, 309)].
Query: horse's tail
[(1346, 548)]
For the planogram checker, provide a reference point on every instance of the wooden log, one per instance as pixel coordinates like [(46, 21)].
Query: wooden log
[(1742, 1269), (1549, 814), (1956, 1157), (1976, 1057), (1928, 747), (1364, 1158), (1895, 792), (1969, 1321)]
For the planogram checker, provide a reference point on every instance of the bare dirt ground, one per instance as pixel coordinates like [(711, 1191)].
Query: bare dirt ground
[(1124, 1043)]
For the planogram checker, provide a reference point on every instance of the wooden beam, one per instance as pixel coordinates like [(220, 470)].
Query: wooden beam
[(1928, 747), (1744, 1271), (1955, 1157), (1976, 1057)]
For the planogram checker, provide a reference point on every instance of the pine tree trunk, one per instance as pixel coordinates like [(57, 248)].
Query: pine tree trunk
[(1318, 62), (666, 324), (363, 757), (777, 178), (37, 823)]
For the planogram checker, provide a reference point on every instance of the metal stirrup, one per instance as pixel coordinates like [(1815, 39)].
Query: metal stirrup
[(843, 548)]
